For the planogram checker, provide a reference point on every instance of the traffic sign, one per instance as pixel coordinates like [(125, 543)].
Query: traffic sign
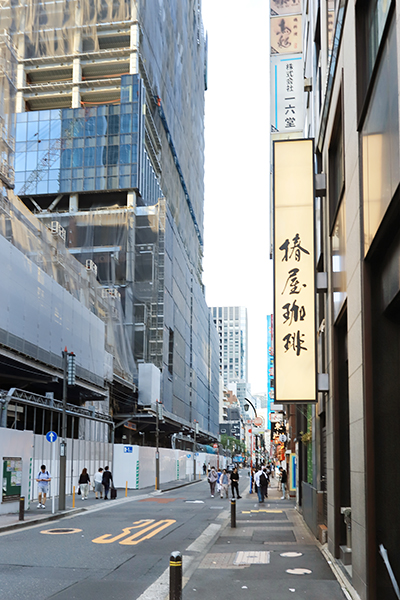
[(258, 422), (128, 449), (51, 436), (188, 455), (215, 445)]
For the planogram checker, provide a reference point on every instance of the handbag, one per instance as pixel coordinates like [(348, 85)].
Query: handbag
[(79, 490)]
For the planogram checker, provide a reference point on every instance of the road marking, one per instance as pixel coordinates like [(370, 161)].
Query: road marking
[(145, 526), (132, 541), (160, 500), (159, 590), (261, 510), (64, 531)]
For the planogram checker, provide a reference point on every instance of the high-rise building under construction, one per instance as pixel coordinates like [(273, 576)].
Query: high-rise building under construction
[(109, 145)]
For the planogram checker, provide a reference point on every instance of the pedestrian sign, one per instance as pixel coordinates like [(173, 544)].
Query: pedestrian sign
[(128, 449), (51, 436)]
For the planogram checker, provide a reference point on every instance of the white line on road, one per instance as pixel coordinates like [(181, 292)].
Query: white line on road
[(159, 590), (204, 539)]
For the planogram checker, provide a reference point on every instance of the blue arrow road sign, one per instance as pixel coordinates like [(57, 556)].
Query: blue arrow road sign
[(51, 436)]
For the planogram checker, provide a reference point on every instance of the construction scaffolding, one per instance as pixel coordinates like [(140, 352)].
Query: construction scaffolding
[(8, 73), (46, 28), (45, 247)]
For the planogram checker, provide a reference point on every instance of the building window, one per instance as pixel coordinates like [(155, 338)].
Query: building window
[(372, 17), (336, 167), (171, 351), (380, 141)]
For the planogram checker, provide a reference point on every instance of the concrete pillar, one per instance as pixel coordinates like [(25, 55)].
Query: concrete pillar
[(73, 202), (21, 82), (134, 45), (76, 79)]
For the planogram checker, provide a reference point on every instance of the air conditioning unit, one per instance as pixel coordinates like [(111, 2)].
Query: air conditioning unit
[(57, 230)]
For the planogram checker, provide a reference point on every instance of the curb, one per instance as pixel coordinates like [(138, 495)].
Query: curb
[(336, 568), (37, 521)]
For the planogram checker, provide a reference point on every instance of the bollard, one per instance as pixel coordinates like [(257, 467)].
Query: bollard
[(175, 576), (233, 512), (126, 490), (73, 497), (21, 507)]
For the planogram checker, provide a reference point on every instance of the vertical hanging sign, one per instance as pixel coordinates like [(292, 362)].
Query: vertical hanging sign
[(294, 272)]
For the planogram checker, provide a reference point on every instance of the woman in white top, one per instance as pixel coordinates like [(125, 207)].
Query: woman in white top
[(98, 486)]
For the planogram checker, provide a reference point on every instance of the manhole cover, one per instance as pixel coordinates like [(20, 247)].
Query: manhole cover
[(298, 571), (60, 531)]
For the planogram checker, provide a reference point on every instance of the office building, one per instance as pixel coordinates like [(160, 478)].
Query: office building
[(231, 324), (110, 149)]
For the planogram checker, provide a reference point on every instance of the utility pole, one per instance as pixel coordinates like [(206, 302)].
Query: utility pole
[(63, 444), (196, 430), (159, 415), (69, 379)]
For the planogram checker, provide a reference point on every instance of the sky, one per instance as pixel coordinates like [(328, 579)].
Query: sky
[(237, 268)]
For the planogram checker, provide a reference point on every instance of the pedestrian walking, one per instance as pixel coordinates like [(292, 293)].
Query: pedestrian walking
[(224, 482), (212, 480), (98, 485), (235, 483), (204, 468), (84, 481), (257, 478), (264, 483), (107, 480), (43, 480), (283, 482)]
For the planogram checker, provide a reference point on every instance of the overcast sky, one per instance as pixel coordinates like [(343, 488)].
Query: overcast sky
[(237, 269)]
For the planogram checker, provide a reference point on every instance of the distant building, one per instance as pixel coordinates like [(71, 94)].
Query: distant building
[(232, 327)]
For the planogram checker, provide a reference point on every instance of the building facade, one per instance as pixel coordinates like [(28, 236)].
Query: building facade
[(110, 151), (348, 469), (232, 327)]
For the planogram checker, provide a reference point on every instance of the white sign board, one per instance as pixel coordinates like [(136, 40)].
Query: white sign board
[(287, 93)]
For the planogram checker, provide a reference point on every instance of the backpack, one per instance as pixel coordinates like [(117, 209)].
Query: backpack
[(263, 480)]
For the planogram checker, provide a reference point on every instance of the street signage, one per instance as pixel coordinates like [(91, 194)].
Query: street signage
[(282, 437), (130, 425), (258, 422), (215, 445), (128, 449), (197, 454), (188, 455), (51, 436)]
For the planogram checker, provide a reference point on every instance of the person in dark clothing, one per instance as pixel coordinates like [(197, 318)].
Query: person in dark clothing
[(263, 484), (283, 481), (267, 475), (106, 481), (84, 481), (235, 483)]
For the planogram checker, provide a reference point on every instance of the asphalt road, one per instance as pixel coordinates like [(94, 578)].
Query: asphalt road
[(114, 551)]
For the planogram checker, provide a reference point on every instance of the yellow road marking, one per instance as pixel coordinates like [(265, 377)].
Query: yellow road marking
[(149, 526), (59, 532), (132, 541), (106, 539)]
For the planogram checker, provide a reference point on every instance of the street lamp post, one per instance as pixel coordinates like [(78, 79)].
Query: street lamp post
[(195, 432), (246, 408), (63, 444)]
